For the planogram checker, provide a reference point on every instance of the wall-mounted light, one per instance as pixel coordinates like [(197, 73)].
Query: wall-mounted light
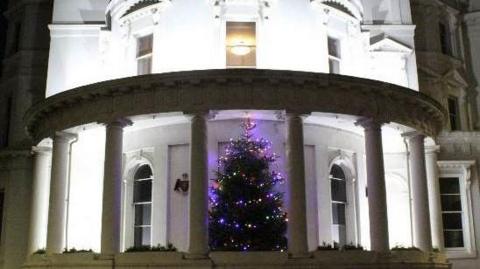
[(240, 49)]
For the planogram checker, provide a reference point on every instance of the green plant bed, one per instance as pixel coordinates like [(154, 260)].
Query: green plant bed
[(348, 247), (351, 246), (73, 251), (400, 248), (328, 247), (158, 248), (40, 252)]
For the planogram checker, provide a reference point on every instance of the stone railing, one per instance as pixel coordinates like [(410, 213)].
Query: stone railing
[(230, 89)]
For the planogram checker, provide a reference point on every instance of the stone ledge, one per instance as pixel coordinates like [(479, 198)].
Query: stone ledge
[(245, 260)]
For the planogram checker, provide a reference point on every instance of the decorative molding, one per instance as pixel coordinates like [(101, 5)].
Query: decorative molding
[(75, 30), (235, 89), (384, 43), (353, 8), (153, 9), (225, 9)]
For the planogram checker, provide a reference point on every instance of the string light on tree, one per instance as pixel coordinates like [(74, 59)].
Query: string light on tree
[(246, 212)]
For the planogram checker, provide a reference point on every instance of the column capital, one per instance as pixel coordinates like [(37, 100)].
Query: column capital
[(369, 123), (65, 137), (413, 135), (119, 122), (432, 149)]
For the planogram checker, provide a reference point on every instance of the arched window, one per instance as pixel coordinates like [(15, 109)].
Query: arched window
[(142, 202), (338, 188)]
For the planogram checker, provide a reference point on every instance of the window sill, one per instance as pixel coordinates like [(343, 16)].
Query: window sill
[(460, 253)]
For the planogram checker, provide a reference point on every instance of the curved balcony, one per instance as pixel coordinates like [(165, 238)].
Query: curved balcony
[(233, 89)]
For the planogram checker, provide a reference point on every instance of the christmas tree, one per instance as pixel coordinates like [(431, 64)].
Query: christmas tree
[(246, 212)]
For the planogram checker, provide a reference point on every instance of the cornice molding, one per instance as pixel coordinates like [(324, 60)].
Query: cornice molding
[(230, 89)]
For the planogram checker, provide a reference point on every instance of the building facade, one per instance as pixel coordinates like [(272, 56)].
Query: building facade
[(372, 106)]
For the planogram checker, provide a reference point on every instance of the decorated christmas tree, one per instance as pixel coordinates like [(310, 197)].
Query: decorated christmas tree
[(246, 211)]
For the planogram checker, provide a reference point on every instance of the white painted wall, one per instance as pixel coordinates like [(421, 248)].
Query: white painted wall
[(188, 37)]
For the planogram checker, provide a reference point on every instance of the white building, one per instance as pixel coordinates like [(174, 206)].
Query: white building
[(382, 94)]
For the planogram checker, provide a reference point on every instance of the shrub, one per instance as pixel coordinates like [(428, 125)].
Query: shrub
[(401, 248), (328, 247), (40, 251), (74, 250), (352, 246), (159, 248)]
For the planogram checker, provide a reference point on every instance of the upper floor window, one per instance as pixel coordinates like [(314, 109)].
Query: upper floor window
[(241, 44), (445, 39), (142, 203), (5, 133), (338, 188), (144, 55), (453, 113), (16, 38), (334, 55)]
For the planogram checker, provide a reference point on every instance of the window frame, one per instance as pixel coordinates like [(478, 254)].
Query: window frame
[(334, 58), (346, 160), (333, 202), (146, 56), (462, 171), (456, 114), (133, 161), (141, 203), (227, 47)]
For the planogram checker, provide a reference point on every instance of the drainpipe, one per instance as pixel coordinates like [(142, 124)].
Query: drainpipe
[(410, 206), (67, 199)]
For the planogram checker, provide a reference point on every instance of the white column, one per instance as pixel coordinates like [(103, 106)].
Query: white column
[(112, 187), (297, 216), (422, 236), (58, 192), (198, 198), (377, 196), (42, 157), (434, 197)]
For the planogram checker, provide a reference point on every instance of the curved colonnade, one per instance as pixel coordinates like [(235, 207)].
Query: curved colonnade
[(198, 94)]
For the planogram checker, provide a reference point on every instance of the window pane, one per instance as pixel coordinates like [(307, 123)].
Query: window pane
[(338, 213), (142, 191), (339, 234), (337, 172), (241, 44), (453, 113), (144, 66), (333, 47), (334, 66), (142, 236), (445, 39), (339, 190), (451, 203), (143, 172), (143, 214), (452, 221), (453, 239), (144, 45), (449, 186)]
